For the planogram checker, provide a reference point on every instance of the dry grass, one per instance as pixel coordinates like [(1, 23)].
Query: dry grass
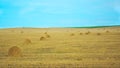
[(12, 31)]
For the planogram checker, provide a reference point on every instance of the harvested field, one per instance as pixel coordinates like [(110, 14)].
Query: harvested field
[(66, 48)]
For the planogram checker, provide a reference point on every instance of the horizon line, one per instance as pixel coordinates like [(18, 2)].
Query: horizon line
[(65, 27)]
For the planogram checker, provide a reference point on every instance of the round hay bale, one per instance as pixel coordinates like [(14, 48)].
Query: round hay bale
[(21, 32), (42, 38), (28, 41), (81, 33), (48, 36), (72, 34), (107, 31), (45, 33), (87, 33), (98, 34), (14, 51)]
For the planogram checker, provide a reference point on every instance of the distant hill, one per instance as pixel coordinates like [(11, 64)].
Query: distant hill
[(96, 26)]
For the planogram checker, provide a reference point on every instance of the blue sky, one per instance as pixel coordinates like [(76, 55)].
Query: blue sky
[(59, 13)]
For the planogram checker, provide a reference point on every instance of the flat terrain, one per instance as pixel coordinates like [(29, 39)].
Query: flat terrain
[(61, 47)]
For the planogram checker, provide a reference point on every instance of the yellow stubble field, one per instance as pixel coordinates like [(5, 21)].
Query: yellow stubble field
[(60, 47)]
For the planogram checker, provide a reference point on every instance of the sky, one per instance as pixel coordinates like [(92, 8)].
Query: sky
[(59, 13)]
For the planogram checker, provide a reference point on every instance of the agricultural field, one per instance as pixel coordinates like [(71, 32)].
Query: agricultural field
[(60, 47)]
